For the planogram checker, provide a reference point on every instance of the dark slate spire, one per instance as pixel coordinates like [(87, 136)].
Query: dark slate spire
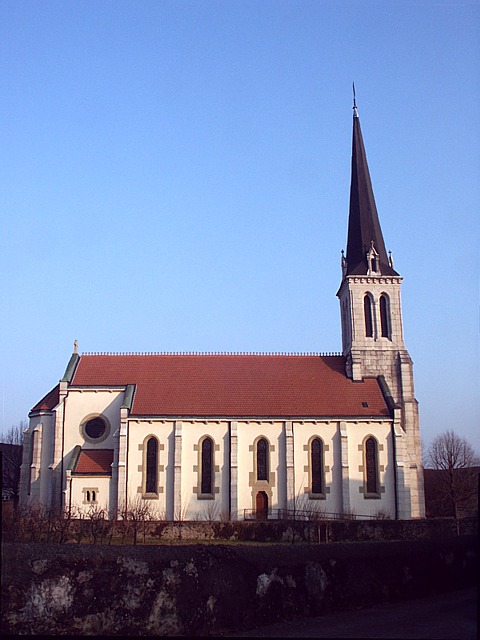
[(363, 223)]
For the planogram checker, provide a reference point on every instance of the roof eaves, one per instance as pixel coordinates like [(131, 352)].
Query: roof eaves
[(40, 412), (97, 387), (297, 418), (90, 474)]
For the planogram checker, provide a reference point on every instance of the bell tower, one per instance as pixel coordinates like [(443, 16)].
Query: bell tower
[(371, 315)]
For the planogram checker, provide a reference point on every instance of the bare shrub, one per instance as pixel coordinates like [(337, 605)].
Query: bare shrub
[(134, 518), (381, 514)]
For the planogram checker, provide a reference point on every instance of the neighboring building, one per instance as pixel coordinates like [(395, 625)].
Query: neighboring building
[(228, 435), (11, 461)]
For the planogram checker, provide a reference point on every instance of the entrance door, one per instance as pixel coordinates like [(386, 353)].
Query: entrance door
[(261, 505)]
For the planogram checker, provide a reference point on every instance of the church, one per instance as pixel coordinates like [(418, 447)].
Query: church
[(246, 435)]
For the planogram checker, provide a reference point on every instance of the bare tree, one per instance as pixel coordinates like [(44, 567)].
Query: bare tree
[(11, 446), (15, 434), (456, 460)]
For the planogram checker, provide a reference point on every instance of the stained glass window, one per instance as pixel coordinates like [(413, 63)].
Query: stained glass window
[(367, 307), (207, 451), (262, 459), (371, 466), (152, 466), (384, 316), (95, 428), (317, 465)]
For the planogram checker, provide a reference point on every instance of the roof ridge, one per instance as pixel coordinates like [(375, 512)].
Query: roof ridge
[(212, 353)]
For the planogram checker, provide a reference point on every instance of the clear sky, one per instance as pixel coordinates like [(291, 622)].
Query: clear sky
[(175, 177)]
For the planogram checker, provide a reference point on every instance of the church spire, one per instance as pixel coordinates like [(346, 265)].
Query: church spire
[(365, 246)]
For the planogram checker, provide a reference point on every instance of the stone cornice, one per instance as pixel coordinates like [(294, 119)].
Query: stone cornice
[(382, 280), (375, 279)]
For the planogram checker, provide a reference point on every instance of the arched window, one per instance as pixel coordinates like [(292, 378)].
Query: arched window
[(151, 482), (317, 466), (262, 459), (90, 496), (385, 315), (371, 466), (207, 466), (367, 308)]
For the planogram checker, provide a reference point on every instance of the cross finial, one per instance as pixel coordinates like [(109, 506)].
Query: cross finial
[(355, 112), (75, 346)]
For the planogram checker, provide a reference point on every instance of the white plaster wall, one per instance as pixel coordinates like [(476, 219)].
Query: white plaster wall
[(357, 432), (102, 483), (138, 432), (248, 432), (328, 432), (81, 404), (192, 507)]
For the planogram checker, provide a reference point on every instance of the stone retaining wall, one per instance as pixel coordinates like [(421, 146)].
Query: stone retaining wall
[(321, 531), (48, 527), (206, 589)]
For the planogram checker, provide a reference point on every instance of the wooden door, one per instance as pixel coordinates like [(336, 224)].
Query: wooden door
[(261, 504)]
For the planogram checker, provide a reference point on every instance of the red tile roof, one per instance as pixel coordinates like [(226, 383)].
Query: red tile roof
[(49, 402), (94, 461), (235, 385)]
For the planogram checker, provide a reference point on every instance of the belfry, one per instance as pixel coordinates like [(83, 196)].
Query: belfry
[(371, 313)]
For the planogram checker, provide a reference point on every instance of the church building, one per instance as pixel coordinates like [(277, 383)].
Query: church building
[(242, 435)]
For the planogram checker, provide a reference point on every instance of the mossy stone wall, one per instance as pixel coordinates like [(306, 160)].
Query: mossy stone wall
[(206, 589)]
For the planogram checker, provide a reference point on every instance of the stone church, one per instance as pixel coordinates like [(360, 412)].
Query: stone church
[(241, 435)]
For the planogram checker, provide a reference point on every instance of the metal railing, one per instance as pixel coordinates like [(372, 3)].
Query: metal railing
[(302, 515)]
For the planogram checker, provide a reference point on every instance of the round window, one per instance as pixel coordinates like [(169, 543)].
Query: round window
[(95, 428)]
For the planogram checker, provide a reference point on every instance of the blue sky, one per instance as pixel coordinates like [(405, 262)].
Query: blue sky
[(175, 177)]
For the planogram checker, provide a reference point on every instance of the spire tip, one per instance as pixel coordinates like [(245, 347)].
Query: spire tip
[(355, 112)]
